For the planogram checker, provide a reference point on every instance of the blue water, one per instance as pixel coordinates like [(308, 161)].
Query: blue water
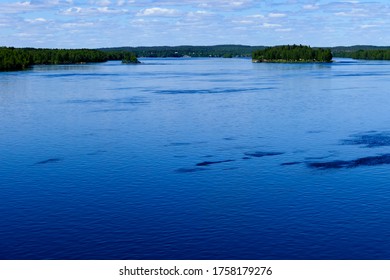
[(196, 159)]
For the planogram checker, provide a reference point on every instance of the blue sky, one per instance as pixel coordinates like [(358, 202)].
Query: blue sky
[(110, 23)]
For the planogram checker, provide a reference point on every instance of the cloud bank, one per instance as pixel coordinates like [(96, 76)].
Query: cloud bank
[(105, 23)]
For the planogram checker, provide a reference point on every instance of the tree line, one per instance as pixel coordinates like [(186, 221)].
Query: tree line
[(226, 51), (22, 58), (371, 54), (292, 53)]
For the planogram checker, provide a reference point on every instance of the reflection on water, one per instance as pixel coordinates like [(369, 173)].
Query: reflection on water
[(196, 159)]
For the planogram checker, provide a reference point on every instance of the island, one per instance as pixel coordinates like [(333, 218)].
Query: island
[(13, 59), (129, 58), (292, 54)]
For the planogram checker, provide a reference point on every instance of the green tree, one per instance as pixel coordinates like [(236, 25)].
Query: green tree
[(292, 53)]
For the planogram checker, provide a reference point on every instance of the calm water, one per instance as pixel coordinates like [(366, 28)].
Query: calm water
[(196, 159)]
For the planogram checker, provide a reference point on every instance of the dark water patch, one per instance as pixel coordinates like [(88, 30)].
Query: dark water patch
[(342, 89), (367, 74), (208, 156), (128, 100), (81, 75), (365, 161), (121, 88), (190, 170), (299, 151), (180, 156), (246, 158), (125, 88), (88, 101), (50, 160), (229, 138), (321, 157), (184, 91), (88, 134), (314, 131), (208, 91), (98, 152), (291, 163), (230, 168), (111, 110), (131, 100), (347, 62), (177, 144), (263, 154), (200, 142), (207, 163), (370, 139)]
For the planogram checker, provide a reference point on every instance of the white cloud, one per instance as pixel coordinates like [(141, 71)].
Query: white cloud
[(365, 26), (77, 24), (107, 10), (158, 12), (50, 3), (79, 11), (352, 13), (311, 7), (224, 4), (72, 11), (283, 29), (201, 13), (256, 16), (32, 6), (103, 3), (243, 21), (36, 20), (237, 3), (75, 9), (276, 15), (270, 25), (18, 7)]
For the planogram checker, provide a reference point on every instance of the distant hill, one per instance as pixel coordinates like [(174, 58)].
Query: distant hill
[(363, 52), (190, 51), (224, 50), (357, 48)]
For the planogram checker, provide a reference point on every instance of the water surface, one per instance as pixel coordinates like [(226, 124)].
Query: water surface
[(196, 159)]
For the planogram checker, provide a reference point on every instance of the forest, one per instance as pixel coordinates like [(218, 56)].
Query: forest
[(226, 51), (21, 58), (370, 54), (292, 53)]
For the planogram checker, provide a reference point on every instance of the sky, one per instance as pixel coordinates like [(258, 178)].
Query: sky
[(115, 23)]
